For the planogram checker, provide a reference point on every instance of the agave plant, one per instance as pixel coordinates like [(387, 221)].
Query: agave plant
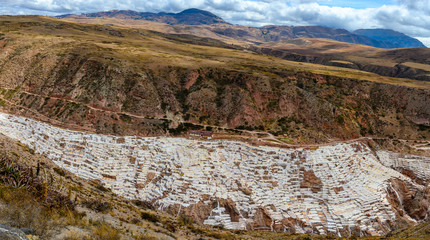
[(13, 174), (19, 176)]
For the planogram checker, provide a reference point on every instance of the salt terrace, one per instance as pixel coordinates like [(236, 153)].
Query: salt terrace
[(325, 190)]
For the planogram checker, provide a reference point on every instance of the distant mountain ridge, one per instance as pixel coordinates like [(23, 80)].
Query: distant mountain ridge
[(190, 16), (275, 33), (380, 38), (387, 35)]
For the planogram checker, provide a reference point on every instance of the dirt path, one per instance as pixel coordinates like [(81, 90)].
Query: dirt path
[(89, 106), (268, 139)]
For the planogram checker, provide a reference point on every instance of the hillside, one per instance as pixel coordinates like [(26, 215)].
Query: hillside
[(41, 200), (127, 81), (410, 63), (46, 202), (284, 42), (210, 25)]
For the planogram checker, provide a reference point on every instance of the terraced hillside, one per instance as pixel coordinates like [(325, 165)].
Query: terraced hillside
[(342, 189), (52, 203), (48, 202)]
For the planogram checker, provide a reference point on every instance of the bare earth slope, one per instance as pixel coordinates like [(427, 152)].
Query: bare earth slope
[(128, 81)]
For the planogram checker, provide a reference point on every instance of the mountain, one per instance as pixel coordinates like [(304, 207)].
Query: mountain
[(273, 33), (291, 43), (394, 38), (191, 16), (283, 33)]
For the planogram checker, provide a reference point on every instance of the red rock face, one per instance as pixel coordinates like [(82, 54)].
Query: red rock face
[(262, 220), (409, 199), (311, 181), (230, 208), (199, 212)]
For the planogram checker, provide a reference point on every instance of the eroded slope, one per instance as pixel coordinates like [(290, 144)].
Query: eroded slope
[(135, 82)]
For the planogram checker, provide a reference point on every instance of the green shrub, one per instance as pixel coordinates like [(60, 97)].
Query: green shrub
[(149, 217), (102, 188)]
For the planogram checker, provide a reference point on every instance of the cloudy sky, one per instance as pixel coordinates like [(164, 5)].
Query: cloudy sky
[(411, 17)]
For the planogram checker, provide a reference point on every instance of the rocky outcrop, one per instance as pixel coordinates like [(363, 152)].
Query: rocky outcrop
[(10, 233), (415, 201), (311, 181)]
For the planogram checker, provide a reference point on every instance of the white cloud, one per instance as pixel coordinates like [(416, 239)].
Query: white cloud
[(425, 40), (411, 17), (419, 5)]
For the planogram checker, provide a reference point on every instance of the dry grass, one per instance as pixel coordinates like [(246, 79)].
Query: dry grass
[(103, 231), (197, 30), (425, 67), (146, 236), (340, 61)]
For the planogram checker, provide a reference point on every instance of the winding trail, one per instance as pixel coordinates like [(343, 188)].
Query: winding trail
[(260, 141)]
